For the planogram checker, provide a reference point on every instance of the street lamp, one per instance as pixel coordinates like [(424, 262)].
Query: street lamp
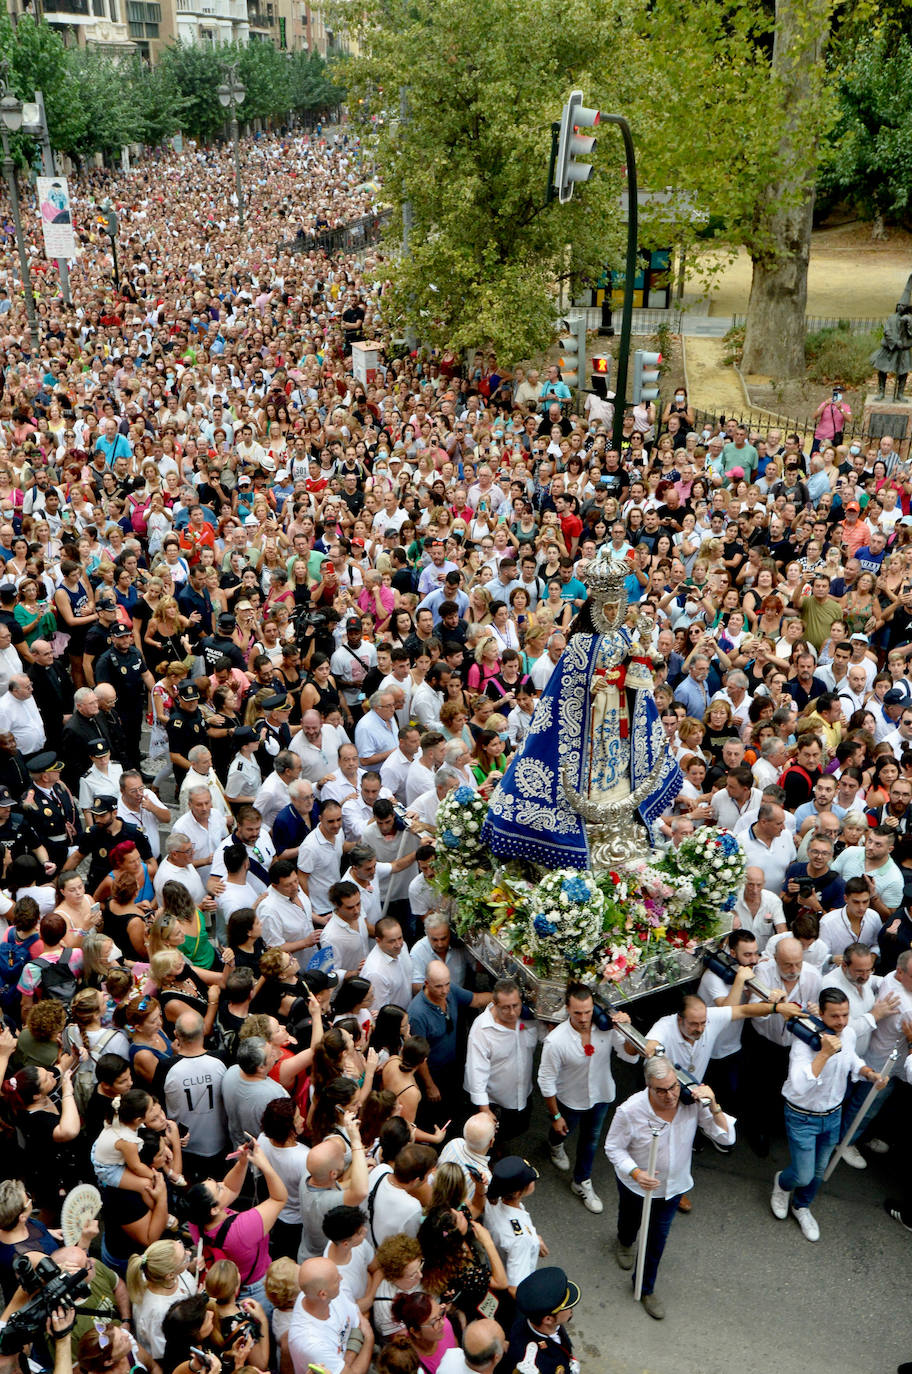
[(231, 94), (10, 122)]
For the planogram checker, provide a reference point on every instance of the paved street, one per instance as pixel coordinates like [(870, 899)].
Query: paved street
[(744, 1292)]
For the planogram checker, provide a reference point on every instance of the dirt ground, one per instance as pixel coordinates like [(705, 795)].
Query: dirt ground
[(850, 275)]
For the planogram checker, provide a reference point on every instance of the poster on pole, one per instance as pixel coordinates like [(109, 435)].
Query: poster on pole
[(56, 219)]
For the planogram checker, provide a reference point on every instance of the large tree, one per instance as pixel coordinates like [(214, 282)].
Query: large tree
[(733, 110), (482, 84)]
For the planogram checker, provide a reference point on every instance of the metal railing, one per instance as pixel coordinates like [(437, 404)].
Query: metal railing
[(812, 323), (760, 421), (345, 238)]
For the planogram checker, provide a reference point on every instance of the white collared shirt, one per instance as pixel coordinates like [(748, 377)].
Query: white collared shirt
[(272, 798), (836, 932), (692, 1055), (861, 1000), (371, 902), (206, 838), (320, 859), (284, 921), (769, 916), (577, 1079), (393, 774), (95, 783), (889, 1033), (805, 990), (390, 978), (825, 1091), (498, 1065), (350, 944), (629, 1140), (145, 821)]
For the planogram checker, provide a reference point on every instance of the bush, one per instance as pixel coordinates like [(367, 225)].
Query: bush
[(734, 345), (837, 355)]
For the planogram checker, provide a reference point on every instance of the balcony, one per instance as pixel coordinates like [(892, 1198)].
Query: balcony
[(68, 12)]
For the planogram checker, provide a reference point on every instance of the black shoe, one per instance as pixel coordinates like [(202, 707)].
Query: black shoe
[(893, 1209)]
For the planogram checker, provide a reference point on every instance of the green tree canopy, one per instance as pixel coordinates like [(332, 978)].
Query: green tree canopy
[(484, 84)]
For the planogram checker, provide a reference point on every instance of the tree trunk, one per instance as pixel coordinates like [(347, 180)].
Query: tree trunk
[(775, 332)]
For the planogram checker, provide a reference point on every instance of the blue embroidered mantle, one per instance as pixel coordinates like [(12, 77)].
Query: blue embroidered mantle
[(529, 816)]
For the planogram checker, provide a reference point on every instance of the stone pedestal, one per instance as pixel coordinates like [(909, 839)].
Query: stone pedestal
[(889, 417)]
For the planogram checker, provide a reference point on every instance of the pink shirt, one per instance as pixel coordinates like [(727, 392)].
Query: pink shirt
[(246, 1243)]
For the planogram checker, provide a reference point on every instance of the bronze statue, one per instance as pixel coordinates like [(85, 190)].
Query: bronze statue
[(894, 353)]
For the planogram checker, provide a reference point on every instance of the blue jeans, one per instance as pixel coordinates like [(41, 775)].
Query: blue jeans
[(590, 1124), (661, 1215), (812, 1139)]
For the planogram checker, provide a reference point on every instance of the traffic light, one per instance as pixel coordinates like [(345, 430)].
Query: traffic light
[(107, 222), (601, 366), (572, 361), (645, 376), (571, 146)]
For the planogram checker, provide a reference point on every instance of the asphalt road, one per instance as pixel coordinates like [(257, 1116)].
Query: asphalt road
[(743, 1291)]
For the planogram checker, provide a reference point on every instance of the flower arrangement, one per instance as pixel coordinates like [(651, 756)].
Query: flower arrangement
[(563, 922), (460, 817), (713, 863)]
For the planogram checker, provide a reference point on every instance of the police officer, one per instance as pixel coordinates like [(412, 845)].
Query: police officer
[(97, 638), (51, 814), (512, 1229), (273, 729), (540, 1342), (107, 831), (245, 777), (186, 728), (123, 668), (12, 837), (221, 645)]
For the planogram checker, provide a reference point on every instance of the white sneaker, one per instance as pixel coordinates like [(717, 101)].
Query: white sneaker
[(559, 1158), (587, 1196), (779, 1200), (809, 1228), (854, 1158), (878, 1147)]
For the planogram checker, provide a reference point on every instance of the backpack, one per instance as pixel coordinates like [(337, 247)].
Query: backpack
[(214, 1249), (57, 979), (14, 955)]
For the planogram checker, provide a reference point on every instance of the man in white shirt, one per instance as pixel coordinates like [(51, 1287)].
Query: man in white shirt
[(204, 826), (388, 966), (768, 1041), (420, 776), (767, 844), (575, 1080), (20, 716), (544, 666), (358, 811), (737, 797), (273, 796), (658, 1107), (253, 835), (498, 1069), (351, 663), (346, 933), (836, 929), (285, 913), (141, 807), (202, 774), (757, 909), (814, 1093), (320, 859), (323, 1321), (893, 1030), (10, 662), (395, 767), (346, 780), (367, 874), (438, 942), (317, 746), (177, 866), (237, 892)]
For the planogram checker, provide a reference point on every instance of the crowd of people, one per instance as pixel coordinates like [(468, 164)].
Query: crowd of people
[(259, 614)]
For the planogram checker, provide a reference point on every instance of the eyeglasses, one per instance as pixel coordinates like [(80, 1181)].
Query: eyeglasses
[(668, 1092)]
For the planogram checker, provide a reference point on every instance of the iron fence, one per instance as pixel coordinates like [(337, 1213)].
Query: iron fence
[(812, 323), (345, 238), (760, 421)]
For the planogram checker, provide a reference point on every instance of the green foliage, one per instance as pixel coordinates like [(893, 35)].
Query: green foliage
[(734, 345), (867, 159), (313, 86), (196, 72), (838, 355), (484, 85)]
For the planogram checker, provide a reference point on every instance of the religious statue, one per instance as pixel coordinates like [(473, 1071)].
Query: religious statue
[(596, 750), (894, 353)]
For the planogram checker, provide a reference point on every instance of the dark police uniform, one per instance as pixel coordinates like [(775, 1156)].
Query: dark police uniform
[(186, 728), (124, 670), (547, 1291), (53, 818), (97, 843)]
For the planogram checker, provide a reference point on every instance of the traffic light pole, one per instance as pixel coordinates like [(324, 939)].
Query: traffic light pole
[(623, 355), (555, 140)]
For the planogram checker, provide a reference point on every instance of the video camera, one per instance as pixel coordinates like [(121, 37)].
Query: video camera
[(48, 1288)]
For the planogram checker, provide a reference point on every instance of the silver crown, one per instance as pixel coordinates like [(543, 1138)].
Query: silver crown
[(605, 577)]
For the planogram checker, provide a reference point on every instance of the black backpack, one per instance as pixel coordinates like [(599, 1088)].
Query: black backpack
[(57, 978), (14, 955)]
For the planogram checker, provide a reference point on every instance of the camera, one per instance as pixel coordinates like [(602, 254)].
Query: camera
[(48, 1288), (402, 818)]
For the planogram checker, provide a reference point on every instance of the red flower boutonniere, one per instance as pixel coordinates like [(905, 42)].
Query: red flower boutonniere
[(588, 1051)]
